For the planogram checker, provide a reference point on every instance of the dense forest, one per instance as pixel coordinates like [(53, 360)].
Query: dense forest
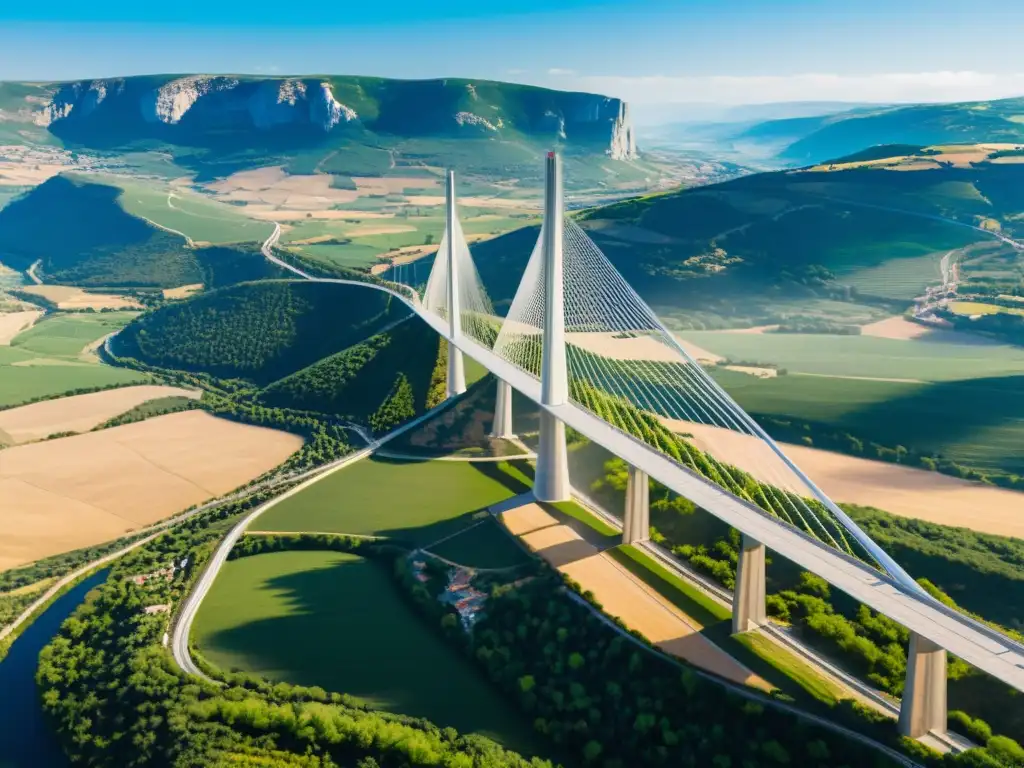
[(383, 381), (259, 331)]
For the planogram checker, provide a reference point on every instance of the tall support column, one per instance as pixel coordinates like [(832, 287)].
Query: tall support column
[(456, 366), (748, 604), (923, 708), (502, 426), (552, 480), (636, 524)]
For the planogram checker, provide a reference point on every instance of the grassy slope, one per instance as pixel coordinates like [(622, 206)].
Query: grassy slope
[(337, 621), (46, 359), (413, 501), (194, 215), (82, 235)]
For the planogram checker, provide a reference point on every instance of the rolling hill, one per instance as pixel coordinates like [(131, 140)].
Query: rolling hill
[(260, 331), (80, 234), (766, 248)]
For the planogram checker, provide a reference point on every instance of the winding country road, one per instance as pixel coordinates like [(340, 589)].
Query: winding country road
[(183, 621)]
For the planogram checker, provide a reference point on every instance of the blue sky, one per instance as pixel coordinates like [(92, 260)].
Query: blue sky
[(650, 51)]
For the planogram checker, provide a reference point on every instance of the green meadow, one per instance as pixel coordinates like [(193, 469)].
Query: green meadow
[(48, 360), (338, 621), (415, 501)]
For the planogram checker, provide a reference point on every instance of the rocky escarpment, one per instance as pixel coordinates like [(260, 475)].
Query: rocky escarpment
[(623, 140), (206, 109)]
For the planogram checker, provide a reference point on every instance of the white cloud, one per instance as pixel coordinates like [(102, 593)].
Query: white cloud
[(753, 89), (559, 72)]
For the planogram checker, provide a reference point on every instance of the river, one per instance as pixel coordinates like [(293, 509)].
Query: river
[(26, 739)]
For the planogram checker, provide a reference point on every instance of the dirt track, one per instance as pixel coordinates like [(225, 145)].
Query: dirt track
[(78, 491), (622, 594)]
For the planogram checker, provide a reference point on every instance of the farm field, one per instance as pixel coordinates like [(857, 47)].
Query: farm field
[(416, 501), (78, 491), (904, 278), (52, 357), (13, 323), (864, 356), (976, 422), (971, 308), (902, 491), (484, 545), (68, 297), (622, 594), (198, 217), (79, 413), (337, 621)]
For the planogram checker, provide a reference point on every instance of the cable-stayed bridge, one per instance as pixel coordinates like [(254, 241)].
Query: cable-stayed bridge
[(578, 341)]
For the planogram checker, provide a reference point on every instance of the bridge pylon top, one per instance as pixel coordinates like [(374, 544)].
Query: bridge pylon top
[(454, 291)]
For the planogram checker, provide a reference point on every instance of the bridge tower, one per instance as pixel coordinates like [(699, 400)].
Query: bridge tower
[(456, 367), (552, 479)]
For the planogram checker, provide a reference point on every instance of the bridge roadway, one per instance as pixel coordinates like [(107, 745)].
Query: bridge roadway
[(978, 645)]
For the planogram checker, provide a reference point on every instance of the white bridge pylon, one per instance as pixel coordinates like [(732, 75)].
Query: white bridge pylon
[(580, 343), (578, 327)]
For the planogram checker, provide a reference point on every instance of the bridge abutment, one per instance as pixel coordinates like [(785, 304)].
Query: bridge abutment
[(636, 522), (748, 600), (923, 709), (502, 425)]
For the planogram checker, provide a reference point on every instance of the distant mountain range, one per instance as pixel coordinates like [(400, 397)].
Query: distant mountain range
[(803, 137), (249, 118)]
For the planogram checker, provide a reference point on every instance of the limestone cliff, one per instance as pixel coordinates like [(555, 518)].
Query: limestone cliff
[(623, 141), (237, 111)]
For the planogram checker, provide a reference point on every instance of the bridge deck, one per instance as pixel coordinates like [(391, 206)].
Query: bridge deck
[(981, 646)]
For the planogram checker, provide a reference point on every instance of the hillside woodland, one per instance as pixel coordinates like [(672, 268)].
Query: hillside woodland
[(80, 235), (259, 332)]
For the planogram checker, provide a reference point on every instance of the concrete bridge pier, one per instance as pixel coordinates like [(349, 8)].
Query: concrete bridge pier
[(748, 600), (636, 523), (551, 482), (923, 709), (502, 426), (456, 371)]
